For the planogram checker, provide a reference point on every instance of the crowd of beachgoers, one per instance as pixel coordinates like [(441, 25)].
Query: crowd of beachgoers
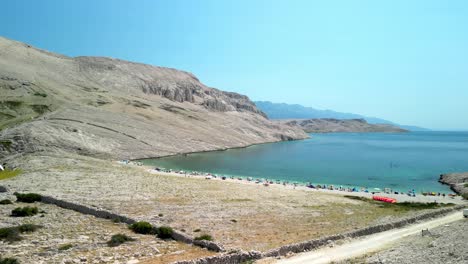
[(322, 187)]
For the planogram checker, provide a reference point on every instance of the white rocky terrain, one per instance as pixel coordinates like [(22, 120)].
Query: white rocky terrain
[(107, 107)]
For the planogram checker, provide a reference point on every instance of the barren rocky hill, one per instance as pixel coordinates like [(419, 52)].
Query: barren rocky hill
[(112, 108), (327, 125)]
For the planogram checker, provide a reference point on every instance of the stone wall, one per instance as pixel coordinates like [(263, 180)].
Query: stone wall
[(316, 243), (242, 256), (178, 236), (228, 258)]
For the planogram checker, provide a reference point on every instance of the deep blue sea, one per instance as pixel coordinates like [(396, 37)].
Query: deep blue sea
[(400, 161)]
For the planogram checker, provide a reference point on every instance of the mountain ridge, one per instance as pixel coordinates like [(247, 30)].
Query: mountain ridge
[(297, 111)]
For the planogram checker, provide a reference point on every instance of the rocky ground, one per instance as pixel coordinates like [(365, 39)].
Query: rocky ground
[(446, 244), (88, 236), (237, 215), (458, 182)]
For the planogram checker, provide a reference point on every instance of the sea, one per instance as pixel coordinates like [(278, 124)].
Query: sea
[(400, 161)]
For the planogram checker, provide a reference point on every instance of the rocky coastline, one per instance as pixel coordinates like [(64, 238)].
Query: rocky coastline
[(458, 182)]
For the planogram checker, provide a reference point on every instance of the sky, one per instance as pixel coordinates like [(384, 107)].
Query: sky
[(404, 61)]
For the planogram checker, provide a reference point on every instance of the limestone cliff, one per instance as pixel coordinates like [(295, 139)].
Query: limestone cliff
[(112, 108)]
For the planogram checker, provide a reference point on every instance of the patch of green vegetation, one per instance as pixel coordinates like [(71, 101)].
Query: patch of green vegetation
[(404, 206), (28, 197), (8, 261), (12, 234), (204, 237), (28, 228), (6, 144), (7, 174), (466, 185), (160, 215), (24, 211), (40, 94), (6, 201), (119, 239), (164, 232), (197, 230), (65, 247), (143, 228), (465, 196), (40, 109), (12, 104)]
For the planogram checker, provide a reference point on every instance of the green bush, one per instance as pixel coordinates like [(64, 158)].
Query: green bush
[(24, 211), (465, 196), (143, 228), (28, 228), (197, 230), (8, 261), (40, 94), (65, 247), (164, 232), (6, 201), (10, 234), (204, 237), (28, 197), (118, 239)]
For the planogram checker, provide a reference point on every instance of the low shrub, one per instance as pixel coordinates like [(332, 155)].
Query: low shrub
[(465, 196), (197, 230), (28, 197), (164, 232), (143, 228), (6, 201), (24, 211), (40, 94), (119, 239), (8, 261), (65, 247), (10, 234), (204, 237), (28, 228)]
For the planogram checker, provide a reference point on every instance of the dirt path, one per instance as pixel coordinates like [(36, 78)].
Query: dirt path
[(367, 244)]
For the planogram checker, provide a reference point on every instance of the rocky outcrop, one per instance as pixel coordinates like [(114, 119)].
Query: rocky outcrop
[(328, 125), (458, 182), (110, 108)]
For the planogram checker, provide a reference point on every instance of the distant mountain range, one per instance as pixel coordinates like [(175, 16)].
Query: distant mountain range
[(296, 111)]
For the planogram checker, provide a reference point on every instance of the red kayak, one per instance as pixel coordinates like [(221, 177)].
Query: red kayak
[(384, 199)]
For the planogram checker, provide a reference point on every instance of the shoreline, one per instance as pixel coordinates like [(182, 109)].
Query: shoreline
[(220, 149), (400, 197)]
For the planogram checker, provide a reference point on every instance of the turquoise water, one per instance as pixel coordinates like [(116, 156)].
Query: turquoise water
[(399, 161)]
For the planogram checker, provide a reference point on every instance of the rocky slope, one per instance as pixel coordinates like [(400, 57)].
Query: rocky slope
[(458, 182), (327, 125), (111, 108)]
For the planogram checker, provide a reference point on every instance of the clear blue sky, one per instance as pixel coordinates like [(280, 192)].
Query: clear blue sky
[(406, 61)]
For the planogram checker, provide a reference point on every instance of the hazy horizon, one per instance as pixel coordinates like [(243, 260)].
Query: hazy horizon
[(401, 61)]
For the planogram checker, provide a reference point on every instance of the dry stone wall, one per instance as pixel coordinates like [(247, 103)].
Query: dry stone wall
[(178, 236)]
